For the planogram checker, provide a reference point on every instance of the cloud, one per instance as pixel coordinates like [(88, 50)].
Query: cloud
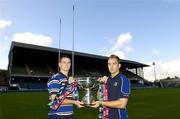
[(27, 37), (123, 39), (3, 47), (30, 38), (155, 51), (4, 23), (4, 50), (163, 70), (5, 38), (119, 53), (122, 45), (129, 49), (4, 44)]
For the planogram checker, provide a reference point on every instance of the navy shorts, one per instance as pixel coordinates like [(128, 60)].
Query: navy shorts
[(60, 117)]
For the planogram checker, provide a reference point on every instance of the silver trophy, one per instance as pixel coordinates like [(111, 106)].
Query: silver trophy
[(87, 84)]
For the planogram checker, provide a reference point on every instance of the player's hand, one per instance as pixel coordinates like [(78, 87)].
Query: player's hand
[(103, 79), (71, 80), (95, 104), (79, 104), (52, 97)]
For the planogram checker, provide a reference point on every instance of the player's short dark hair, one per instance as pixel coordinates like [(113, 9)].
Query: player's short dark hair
[(114, 57), (63, 56)]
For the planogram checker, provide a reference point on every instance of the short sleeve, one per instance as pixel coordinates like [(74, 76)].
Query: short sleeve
[(125, 87), (53, 86)]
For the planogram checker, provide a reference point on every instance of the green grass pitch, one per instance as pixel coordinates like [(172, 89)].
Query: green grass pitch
[(143, 104)]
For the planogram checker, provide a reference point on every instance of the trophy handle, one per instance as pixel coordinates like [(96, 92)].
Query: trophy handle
[(80, 84), (96, 84)]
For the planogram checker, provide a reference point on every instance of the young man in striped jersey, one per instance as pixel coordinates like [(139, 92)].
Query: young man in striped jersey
[(62, 85), (117, 91)]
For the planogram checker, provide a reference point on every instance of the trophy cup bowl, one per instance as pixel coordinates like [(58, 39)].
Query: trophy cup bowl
[(87, 84)]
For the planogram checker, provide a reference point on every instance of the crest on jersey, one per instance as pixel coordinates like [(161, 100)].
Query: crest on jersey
[(115, 84)]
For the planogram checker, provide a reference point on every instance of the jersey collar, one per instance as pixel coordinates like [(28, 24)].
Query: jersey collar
[(115, 76), (63, 75)]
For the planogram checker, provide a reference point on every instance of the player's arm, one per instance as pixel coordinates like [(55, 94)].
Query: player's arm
[(75, 102), (71, 101), (120, 103), (68, 101)]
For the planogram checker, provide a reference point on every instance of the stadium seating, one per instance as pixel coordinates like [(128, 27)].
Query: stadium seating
[(170, 84), (28, 63)]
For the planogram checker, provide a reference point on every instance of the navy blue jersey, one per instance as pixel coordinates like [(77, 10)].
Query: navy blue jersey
[(59, 82), (118, 87)]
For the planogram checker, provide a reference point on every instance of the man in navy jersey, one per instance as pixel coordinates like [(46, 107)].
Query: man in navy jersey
[(59, 83), (118, 91)]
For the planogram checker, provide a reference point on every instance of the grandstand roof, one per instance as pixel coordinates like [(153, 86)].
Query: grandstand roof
[(126, 63)]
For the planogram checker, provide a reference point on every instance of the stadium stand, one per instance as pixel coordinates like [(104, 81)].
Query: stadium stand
[(30, 66), (170, 82), (3, 81)]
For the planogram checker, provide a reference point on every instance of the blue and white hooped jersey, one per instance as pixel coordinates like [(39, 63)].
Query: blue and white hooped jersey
[(56, 83), (118, 87)]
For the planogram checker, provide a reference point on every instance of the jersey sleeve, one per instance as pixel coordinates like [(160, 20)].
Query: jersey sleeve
[(125, 87), (55, 84)]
